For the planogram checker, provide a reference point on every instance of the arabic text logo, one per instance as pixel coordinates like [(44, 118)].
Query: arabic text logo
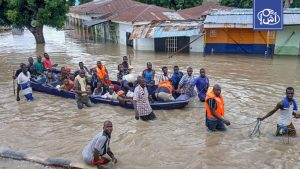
[(268, 17)]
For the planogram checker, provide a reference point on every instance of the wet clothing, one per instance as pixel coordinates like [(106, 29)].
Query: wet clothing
[(216, 103), (24, 82), (286, 115), (287, 105), (47, 64), (148, 75), (39, 67), (100, 142), (215, 125), (81, 98), (176, 79), (142, 103), (186, 84), (283, 130), (202, 84)]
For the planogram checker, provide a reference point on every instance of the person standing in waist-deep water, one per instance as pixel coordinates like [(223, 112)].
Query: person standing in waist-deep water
[(202, 84), (24, 82), (141, 103), (287, 110), (94, 152), (81, 90), (18, 71), (214, 104)]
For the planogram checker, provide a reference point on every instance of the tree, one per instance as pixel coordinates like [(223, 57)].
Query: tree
[(34, 14), (237, 3)]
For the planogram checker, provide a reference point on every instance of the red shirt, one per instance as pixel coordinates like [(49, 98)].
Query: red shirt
[(47, 63)]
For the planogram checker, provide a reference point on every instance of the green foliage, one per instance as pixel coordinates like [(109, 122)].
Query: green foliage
[(84, 1), (237, 3), (71, 2), (180, 4), (295, 4), (21, 13)]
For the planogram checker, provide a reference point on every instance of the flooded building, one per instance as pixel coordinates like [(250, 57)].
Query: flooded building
[(169, 36), (288, 41), (116, 20), (231, 32)]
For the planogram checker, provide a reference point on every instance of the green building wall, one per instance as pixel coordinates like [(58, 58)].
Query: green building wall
[(288, 41)]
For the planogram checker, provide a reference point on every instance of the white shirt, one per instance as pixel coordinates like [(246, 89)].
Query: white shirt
[(100, 142)]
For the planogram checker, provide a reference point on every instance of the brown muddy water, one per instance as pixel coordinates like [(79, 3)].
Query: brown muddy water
[(53, 126)]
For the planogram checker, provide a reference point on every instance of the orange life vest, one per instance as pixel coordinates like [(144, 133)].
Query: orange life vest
[(219, 101), (166, 84), (101, 73)]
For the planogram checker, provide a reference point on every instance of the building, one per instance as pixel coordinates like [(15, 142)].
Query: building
[(288, 41), (116, 20), (168, 36), (231, 32)]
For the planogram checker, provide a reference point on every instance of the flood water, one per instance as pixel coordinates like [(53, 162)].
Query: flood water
[(53, 127)]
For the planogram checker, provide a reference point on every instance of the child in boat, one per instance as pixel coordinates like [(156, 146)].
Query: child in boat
[(98, 91), (111, 94), (50, 79), (67, 85), (151, 90)]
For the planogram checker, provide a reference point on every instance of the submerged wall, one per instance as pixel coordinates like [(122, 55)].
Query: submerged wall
[(288, 41)]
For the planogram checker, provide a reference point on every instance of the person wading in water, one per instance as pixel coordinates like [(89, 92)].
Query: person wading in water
[(287, 109), (214, 104), (93, 153)]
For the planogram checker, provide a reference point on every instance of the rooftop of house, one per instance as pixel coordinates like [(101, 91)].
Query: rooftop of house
[(126, 11), (198, 11)]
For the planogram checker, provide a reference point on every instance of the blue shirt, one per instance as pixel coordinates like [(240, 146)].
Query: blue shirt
[(202, 84), (176, 79), (151, 89), (148, 75)]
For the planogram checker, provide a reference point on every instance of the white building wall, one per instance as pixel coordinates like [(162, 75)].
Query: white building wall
[(123, 28), (198, 45), (144, 44)]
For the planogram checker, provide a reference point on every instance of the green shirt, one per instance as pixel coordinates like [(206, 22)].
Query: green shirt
[(39, 67)]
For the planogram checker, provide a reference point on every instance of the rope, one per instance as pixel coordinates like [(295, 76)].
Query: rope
[(256, 130)]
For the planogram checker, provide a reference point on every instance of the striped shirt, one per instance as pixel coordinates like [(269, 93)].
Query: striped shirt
[(164, 78), (142, 103)]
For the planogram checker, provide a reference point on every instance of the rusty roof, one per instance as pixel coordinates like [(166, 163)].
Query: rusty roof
[(144, 13), (198, 11), (103, 7), (158, 29), (126, 11)]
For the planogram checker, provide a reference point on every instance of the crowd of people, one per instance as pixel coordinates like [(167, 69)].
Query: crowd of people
[(140, 92)]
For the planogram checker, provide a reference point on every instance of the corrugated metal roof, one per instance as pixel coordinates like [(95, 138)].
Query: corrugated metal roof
[(198, 11), (167, 29), (94, 22), (245, 17)]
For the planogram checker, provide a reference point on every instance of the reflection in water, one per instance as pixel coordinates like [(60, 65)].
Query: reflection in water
[(53, 127)]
